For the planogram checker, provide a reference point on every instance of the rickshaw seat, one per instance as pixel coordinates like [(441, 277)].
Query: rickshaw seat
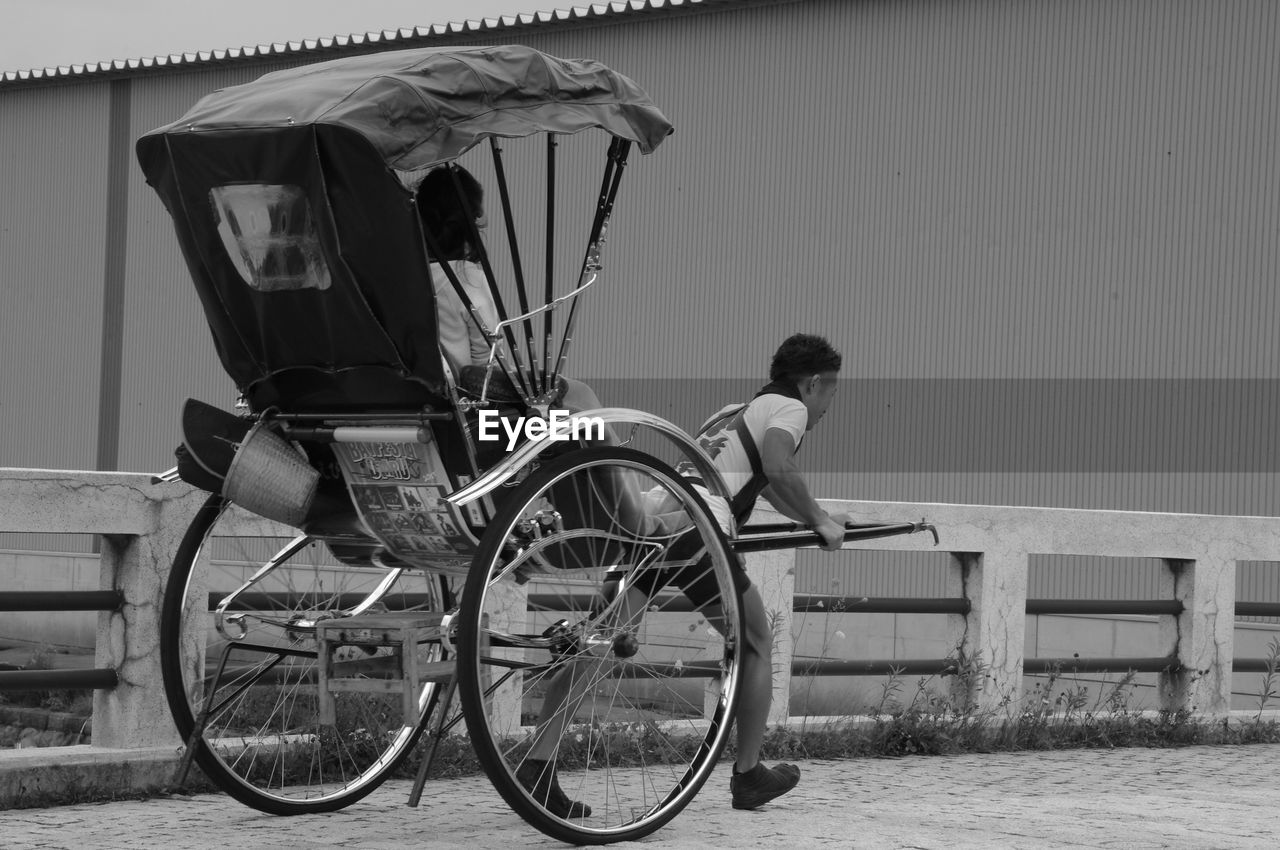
[(471, 382)]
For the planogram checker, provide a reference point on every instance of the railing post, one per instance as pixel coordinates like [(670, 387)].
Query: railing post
[(1201, 636), (507, 610), (135, 714), (961, 565), (774, 575), (994, 632)]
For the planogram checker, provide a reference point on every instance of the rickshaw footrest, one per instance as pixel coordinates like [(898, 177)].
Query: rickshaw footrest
[(400, 673)]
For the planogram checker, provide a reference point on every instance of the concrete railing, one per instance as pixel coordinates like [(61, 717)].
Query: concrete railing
[(141, 525), (989, 550)]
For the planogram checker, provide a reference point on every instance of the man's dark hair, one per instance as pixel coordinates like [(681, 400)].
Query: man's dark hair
[(444, 215), (802, 355)]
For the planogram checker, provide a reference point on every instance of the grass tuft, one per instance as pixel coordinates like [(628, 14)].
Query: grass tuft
[(932, 720)]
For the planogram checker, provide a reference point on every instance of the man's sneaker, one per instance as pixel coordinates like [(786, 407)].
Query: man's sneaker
[(540, 780), (760, 784)]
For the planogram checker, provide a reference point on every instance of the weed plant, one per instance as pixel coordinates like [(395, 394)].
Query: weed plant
[(1054, 714), (930, 717)]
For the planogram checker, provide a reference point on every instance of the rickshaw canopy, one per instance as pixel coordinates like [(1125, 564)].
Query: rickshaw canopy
[(418, 108), (299, 231)]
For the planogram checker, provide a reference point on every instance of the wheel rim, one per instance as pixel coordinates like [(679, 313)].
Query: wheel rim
[(263, 741), (646, 727)]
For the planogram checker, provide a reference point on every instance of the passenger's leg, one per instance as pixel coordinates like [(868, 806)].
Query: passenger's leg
[(579, 396)]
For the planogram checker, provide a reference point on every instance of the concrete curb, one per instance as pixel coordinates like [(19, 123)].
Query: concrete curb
[(53, 775), (1180, 799), (50, 776)]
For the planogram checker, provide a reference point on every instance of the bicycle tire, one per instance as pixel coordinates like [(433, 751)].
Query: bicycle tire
[(643, 704)]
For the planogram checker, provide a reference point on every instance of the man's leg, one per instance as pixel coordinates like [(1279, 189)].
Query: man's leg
[(565, 692), (537, 772), (756, 687), (757, 680), (753, 784), (569, 685)]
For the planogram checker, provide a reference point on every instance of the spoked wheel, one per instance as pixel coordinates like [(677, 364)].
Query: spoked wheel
[(248, 676), (588, 679)]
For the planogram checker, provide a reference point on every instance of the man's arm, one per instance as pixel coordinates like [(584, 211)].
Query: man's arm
[(776, 502), (788, 492)]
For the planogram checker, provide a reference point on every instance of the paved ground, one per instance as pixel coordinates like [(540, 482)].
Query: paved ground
[(1199, 797)]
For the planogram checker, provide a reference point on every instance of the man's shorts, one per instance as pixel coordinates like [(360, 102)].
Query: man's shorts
[(697, 581)]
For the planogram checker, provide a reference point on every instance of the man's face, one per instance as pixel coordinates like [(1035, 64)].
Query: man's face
[(816, 392)]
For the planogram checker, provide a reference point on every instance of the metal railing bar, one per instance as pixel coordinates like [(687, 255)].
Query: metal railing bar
[(1155, 664), (61, 600), (1257, 609), (1251, 665), (34, 680), (1104, 606), (877, 667), (819, 603)]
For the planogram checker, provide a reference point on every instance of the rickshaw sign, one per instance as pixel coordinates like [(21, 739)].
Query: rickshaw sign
[(386, 461), (399, 489)]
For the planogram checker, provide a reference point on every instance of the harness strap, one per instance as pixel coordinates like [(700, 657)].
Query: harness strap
[(727, 413), (744, 500)]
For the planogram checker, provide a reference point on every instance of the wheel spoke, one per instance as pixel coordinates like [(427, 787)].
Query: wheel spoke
[(265, 742), (579, 647)]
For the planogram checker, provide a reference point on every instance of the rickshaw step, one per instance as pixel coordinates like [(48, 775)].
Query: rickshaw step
[(405, 674), (381, 629)]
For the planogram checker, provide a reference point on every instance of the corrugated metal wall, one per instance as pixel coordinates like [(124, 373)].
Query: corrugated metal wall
[(52, 245), (168, 353), (53, 217), (997, 190)]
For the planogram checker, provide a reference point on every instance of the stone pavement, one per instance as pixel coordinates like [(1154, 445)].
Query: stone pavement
[(1197, 797)]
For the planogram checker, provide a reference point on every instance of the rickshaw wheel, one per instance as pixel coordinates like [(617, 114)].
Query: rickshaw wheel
[(635, 689), (262, 741)]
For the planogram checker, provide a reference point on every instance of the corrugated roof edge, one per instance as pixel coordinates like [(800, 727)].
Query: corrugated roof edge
[(407, 37)]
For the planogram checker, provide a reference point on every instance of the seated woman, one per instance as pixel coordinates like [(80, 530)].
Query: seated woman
[(445, 216)]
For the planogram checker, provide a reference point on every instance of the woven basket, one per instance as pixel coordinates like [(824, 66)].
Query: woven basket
[(271, 478)]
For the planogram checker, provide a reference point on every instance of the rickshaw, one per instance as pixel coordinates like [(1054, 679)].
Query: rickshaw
[(364, 555)]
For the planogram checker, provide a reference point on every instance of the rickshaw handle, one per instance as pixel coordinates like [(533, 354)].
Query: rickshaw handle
[(793, 535)]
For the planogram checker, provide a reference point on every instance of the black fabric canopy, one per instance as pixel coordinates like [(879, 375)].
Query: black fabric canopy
[(418, 108), (353, 323)]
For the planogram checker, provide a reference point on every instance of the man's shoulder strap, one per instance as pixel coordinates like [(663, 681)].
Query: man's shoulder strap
[(721, 417), (734, 416)]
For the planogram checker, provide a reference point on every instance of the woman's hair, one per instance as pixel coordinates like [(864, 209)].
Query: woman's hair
[(443, 214), (802, 355)]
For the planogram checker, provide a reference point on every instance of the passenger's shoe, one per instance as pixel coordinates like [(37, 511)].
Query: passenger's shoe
[(540, 780), (761, 784)]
